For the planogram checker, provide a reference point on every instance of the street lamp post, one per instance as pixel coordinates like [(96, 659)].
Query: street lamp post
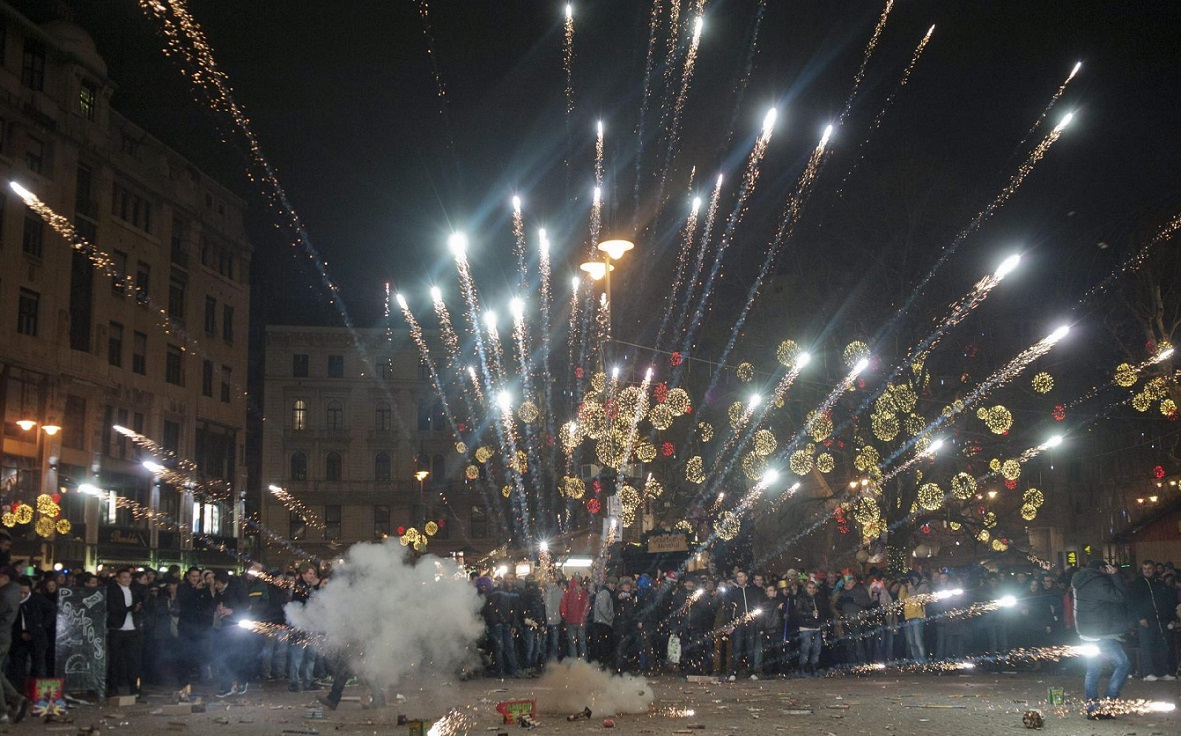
[(612, 250), (421, 477), (47, 465)]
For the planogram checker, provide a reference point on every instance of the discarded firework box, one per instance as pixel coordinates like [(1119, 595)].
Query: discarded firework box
[(583, 714), (1055, 696), (417, 727), (512, 710), (46, 695)]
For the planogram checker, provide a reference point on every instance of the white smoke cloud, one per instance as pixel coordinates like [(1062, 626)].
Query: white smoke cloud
[(391, 618), (575, 684)]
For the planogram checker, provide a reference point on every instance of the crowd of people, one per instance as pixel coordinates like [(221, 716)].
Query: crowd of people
[(175, 630), (758, 625)]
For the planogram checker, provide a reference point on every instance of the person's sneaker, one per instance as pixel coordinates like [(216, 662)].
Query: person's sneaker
[(1150, 678), (1100, 716), (227, 693), (754, 677), (1168, 678), (326, 703), (242, 688), (731, 678), (314, 686), (293, 687), (20, 711)]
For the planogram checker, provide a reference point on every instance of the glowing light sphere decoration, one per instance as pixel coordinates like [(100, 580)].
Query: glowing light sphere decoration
[(983, 535), (1028, 512), (801, 462), (661, 416), (930, 496), (645, 451), (695, 470), (528, 412), (1011, 469), (914, 425), (1125, 375), (825, 463), (764, 442), (963, 486), (745, 372), (727, 526), (854, 353), (1042, 382), (787, 353), (461, 448), (573, 487), (754, 465), (1141, 402), (679, 401), (1033, 497), (885, 426), (483, 454), (705, 431)]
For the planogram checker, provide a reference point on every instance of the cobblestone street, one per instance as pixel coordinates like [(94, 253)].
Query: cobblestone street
[(967, 705)]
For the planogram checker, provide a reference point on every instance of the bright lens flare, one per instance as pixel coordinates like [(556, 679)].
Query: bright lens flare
[(1058, 334), (21, 192), (768, 126), (1064, 122), (1085, 650), (517, 308), (824, 138), (436, 294), (1008, 266), (458, 244), (1007, 601), (517, 204), (401, 300)]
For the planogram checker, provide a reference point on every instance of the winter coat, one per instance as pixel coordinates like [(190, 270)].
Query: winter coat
[(553, 594), (1150, 599), (626, 614), (809, 611), (504, 607), (196, 609), (913, 606), (533, 606), (117, 608), (1099, 605), (575, 604), (10, 603), (853, 601), (604, 607)]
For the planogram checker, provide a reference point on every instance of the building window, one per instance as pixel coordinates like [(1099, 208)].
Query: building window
[(298, 527), (225, 384), (332, 466), (381, 467), (336, 366), (74, 423), (383, 417), (479, 523), (27, 311), (299, 466), (299, 365), (332, 522), (176, 298), (381, 522), (170, 436), (88, 100), (143, 281), (430, 416), (139, 354), (210, 315), (35, 154), (437, 471), (207, 378), (129, 144), (299, 415), (335, 415), (115, 344), (131, 208), (119, 273), (173, 372), (227, 323), (33, 65), (33, 242)]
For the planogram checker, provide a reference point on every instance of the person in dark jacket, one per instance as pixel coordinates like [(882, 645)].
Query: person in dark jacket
[(809, 615), (627, 625), (30, 635), (125, 642), (533, 623), (1100, 618), (853, 601), (743, 605), (503, 614), (1152, 605)]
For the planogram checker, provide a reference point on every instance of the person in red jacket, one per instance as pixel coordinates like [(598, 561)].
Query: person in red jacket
[(575, 605)]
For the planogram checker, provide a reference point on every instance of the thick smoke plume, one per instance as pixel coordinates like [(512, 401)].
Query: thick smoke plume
[(391, 618), (575, 684)]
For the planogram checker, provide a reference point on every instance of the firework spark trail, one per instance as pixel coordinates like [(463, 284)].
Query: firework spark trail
[(653, 31), (573, 342), (749, 178), (783, 235), (425, 356), (105, 264), (546, 292), (599, 155), (747, 68), (424, 12), (568, 67), (519, 243), (1046, 112), (1026, 168), (185, 40), (296, 506), (689, 230), (595, 224), (869, 49), (694, 278), (859, 154), (1094, 391), (999, 378), (471, 298), (1134, 263), (509, 445), (673, 130), (526, 372)]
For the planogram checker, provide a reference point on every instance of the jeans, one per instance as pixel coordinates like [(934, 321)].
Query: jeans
[(532, 646), (272, 657), (810, 644), (883, 644), (914, 639), (747, 644), (998, 636), (301, 664), (576, 641), (1110, 650), (504, 650), (553, 640)]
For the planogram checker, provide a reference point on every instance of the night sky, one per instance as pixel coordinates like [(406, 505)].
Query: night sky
[(343, 100)]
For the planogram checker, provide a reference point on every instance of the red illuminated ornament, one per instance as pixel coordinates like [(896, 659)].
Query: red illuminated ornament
[(676, 359), (661, 392), (462, 426), (1059, 413), (441, 522), (401, 530), (597, 486), (860, 383), (1011, 484), (57, 498), (611, 409), (549, 440), (593, 505), (1158, 472), (971, 350), (578, 372), (667, 449), (1150, 346), (926, 528)]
